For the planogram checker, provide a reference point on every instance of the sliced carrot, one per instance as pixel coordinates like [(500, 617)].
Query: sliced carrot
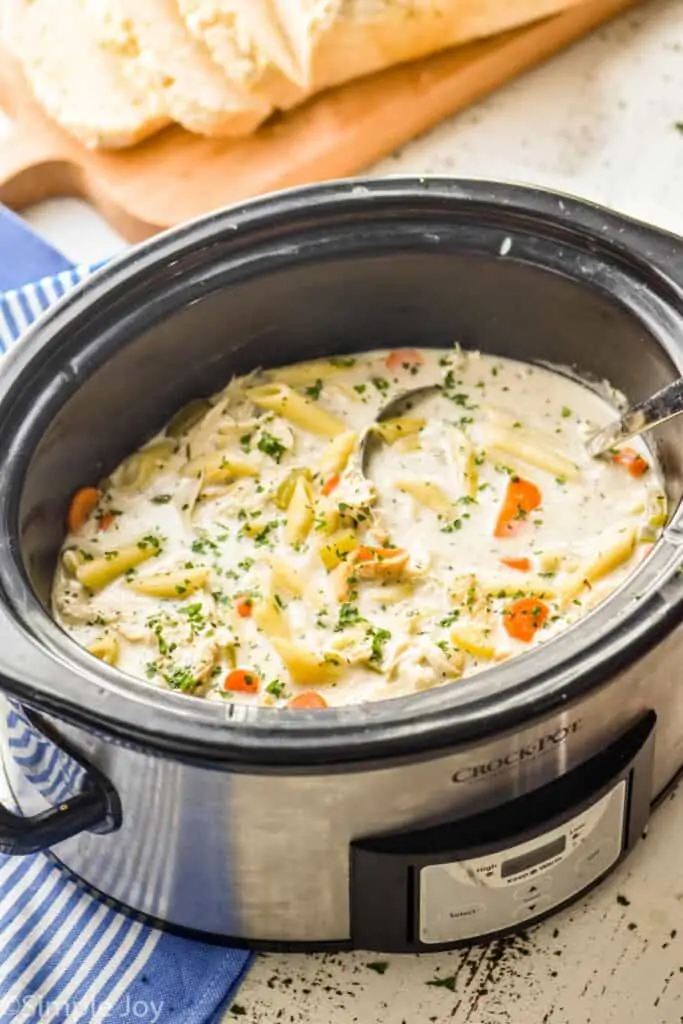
[(82, 506), (523, 618), (366, 554), (522, 497), (330, 484), (106, 521), (241, 680), (310, 699), (404, 357), (523, 564), (244, 606), (630, 460)]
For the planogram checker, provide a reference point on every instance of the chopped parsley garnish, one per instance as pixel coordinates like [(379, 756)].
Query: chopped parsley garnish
[(467, 500), (452, 527), (245, 564), (263, 537), (342, 361), (382, 384), (379, 638), (181, 679), (162, 499), (270, 445), (195, 616), (245, 442), (450, 619), (165, 648), (566, 412), (360, 388), (314, 390), (200, 547), (150, 541), (276, 688), (348, 616)]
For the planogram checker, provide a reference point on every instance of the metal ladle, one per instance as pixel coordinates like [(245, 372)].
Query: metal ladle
[(396, 407), (663, 406)]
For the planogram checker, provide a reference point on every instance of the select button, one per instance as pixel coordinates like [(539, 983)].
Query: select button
[(458, 913)]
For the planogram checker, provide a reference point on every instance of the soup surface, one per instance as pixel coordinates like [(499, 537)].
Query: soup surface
[(248, 553)]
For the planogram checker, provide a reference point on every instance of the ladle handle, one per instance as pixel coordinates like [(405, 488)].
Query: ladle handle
[(661, 407)]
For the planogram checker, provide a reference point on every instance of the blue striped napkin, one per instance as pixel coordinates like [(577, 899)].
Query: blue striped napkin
[(66, 957)]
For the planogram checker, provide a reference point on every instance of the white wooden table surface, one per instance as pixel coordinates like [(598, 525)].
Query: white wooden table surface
[(599, 121)]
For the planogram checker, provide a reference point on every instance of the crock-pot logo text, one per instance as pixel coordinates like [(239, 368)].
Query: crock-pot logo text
[(544, 745)]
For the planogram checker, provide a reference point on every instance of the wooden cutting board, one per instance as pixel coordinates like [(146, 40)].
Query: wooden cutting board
[(176, 176)]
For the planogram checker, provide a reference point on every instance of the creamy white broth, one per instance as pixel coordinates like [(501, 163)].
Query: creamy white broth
[(210, 564)]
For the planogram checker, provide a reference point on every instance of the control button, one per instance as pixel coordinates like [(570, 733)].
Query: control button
[(533, 890), (598, 858), (535, 907), (470, 911)]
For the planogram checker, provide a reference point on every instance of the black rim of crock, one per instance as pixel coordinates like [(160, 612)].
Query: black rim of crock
[(44, 668)]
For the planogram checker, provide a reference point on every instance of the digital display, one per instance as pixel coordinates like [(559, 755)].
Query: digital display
[(533, 858)]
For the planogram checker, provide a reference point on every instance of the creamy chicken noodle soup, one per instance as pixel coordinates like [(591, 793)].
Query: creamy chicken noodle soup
[(246, 553)]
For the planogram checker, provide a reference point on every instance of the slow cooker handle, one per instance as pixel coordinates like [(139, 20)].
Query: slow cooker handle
[(89, 811)]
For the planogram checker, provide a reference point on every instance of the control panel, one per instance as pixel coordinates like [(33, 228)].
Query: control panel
[(469, 898), (473, 877)]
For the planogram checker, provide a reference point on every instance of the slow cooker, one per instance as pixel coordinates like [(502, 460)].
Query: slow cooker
[(410, 824)]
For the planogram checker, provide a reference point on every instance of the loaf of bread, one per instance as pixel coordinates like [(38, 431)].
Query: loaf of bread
[(157, 53), (79, 85), (337, 40), (247, 41), (114, 71)]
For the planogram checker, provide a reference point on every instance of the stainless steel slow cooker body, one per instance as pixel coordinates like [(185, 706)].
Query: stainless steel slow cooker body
[(315, 828)]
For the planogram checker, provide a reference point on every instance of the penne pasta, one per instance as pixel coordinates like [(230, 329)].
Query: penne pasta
[(174, 586), (220, 469), (106, 648), (269, 618), (465, 455), (338, 548), (307, 667), (282, 400), (395, 429), (428, 494), (300, 513), (338, 453), (393, 593), (475, 640), (285, 490), (285, 578), (99, 572), (501, 443), (187, 417), (139, 469), (610, 558)]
